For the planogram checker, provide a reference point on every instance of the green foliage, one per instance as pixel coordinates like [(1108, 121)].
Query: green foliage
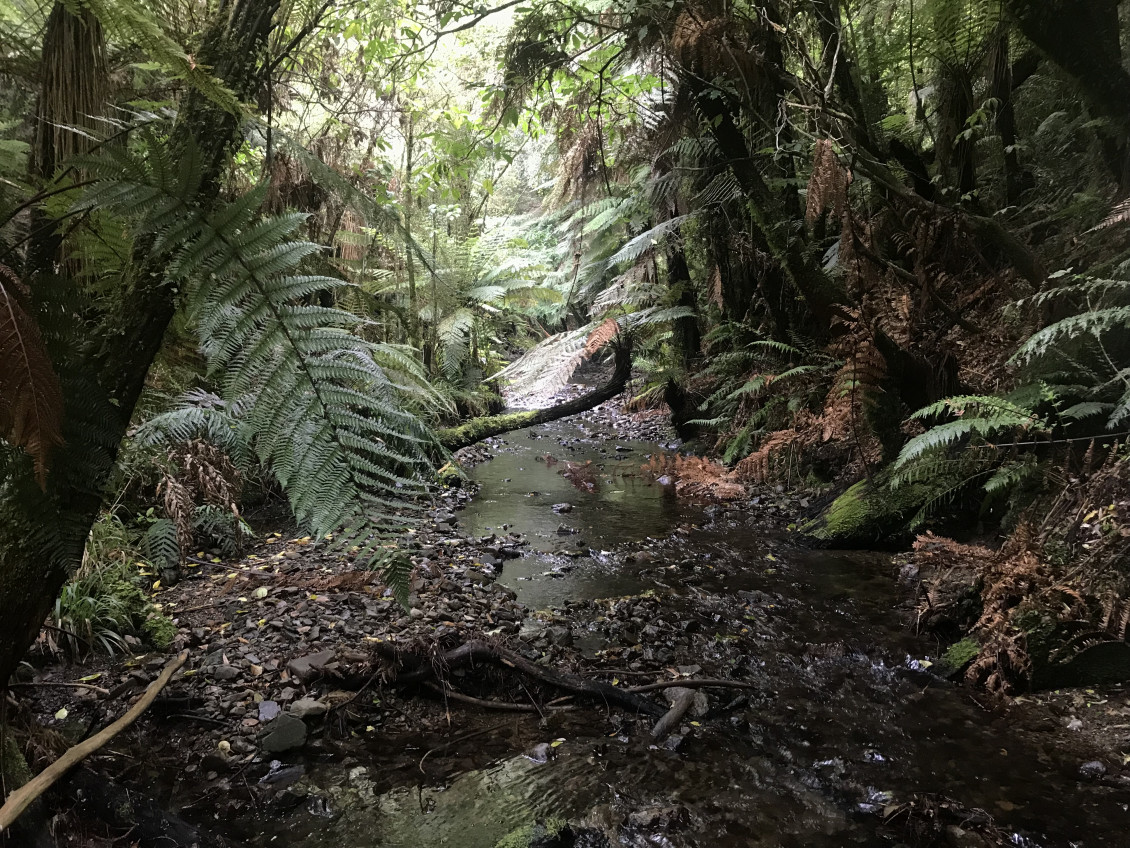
[(103, 604), (325, 406), (961, 653)]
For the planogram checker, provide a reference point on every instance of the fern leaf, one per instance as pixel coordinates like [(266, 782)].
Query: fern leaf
[(326, 417)]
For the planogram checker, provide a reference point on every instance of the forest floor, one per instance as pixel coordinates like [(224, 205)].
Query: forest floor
[(294, 658)]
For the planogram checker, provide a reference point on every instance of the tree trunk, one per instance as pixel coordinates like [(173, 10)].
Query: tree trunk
[(1082, 37), (687, 337), (103, 358)]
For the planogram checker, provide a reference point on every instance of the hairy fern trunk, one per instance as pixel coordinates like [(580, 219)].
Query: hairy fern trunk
[(103, 359)]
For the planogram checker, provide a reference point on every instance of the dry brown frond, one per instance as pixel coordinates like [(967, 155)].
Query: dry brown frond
[(828, 185), (601, 336), (31, 399)]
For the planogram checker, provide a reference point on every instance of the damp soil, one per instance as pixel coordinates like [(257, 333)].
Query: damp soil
[(562, 547)]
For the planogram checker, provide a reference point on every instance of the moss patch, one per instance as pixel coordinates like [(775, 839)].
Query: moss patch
[(160, 630), (478, 429), (960, 654), (870, 512), (538, 835), (13, 766)]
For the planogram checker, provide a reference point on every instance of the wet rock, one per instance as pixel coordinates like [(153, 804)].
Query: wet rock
[(532, 629), (559, 635), (225, 672), (543, 752), (287, 733), (1092, 770), (307, 708), (561, 508), (307, 667)]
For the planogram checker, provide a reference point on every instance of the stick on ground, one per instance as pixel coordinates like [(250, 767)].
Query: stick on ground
[(19, 800)]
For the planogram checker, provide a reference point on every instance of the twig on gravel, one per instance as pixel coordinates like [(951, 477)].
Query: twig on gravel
[(52, 684), (19, 800)]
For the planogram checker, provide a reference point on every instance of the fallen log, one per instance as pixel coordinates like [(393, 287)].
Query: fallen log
[(419, 670), (477, 429)]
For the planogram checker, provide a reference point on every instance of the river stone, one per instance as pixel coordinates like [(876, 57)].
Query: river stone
[(562, 507), (304, 668), (287, 732), (532, 629), (307, 708), (1092, 770), (225, 672), (268, 710)]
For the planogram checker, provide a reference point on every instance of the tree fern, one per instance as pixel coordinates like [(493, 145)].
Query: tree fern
[(980, 416), (327, 419), (134, 22)]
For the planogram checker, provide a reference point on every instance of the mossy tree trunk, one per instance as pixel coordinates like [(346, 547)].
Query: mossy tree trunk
[(103, 353)]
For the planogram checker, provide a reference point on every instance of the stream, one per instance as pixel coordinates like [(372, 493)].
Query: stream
[(844, 728)]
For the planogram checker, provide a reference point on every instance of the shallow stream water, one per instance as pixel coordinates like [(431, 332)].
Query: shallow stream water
[(844, 726)]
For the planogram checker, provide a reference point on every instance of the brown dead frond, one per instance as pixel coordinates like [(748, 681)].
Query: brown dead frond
[(197, 471), (601, 336), (31, 398), (695, 478), (828, 185), (757, 466)]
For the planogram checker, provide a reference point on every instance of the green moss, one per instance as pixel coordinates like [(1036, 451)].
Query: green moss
[(478, 429), (870, 511), (960, 654), (160, 630), (13, 766), (520, 838), (539, 833)]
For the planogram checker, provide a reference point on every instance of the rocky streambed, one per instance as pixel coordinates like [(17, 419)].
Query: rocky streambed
[(317, 711)]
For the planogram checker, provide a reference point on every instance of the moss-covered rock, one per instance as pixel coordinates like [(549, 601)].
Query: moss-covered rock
[(961, 653), (870, 512), (159, 630)]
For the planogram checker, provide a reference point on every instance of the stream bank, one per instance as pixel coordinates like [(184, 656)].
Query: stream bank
[(284, 730)]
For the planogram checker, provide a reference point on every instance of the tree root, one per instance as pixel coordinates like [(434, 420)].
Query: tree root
[(419, 670), (683, 700)]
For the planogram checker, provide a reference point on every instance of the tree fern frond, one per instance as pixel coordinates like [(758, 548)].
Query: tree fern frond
[(645, 241), (326, 417), (135, 22), (1093, 322)]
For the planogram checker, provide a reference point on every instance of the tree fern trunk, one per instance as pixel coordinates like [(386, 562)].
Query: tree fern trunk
[(103, 362), (1082, 37)]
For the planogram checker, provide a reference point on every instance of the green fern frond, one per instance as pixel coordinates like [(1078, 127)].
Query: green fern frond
[(328, 421), (134, 22), (1094, 322)]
